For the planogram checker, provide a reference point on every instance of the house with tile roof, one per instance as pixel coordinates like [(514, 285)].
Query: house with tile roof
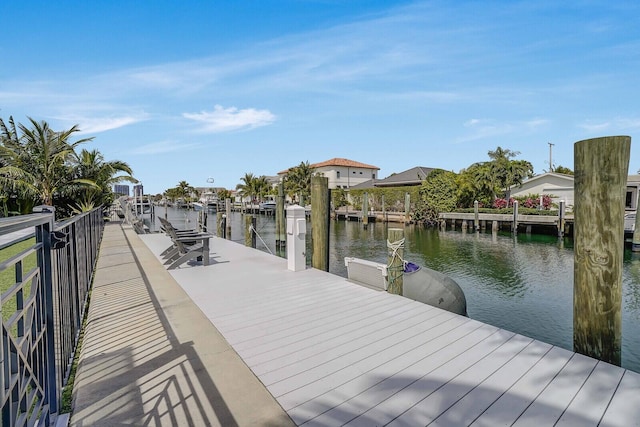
[(343, 173), (410, 177)]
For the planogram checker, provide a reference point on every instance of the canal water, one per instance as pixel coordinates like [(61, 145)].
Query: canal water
[(523, 284)]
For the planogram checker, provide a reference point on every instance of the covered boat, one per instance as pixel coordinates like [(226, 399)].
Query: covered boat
[(419, 283)]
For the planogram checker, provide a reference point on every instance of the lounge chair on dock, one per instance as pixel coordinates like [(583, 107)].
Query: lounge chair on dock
[(187, 245)]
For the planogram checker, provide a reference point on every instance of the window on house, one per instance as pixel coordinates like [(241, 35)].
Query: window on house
[(354, 172), (360, 173), (628, 200), (373, 176), (338, 174)]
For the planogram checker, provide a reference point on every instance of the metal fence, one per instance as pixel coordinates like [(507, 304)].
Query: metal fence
[(43, 295)]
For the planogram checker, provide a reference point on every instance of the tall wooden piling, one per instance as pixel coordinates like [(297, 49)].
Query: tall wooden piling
[(384, 210), (601, 166), (219, 224), (515, 217), (407, 207), (561, 220), (281, 232), (227, 205), (395, 263), (365, 210), (249, 231), (476, 216), (635, 242), (320, 222)]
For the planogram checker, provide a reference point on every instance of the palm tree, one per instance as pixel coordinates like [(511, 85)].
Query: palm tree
[(96, 178), (248, 187), (298, 182), (36, 160), (184, 190)]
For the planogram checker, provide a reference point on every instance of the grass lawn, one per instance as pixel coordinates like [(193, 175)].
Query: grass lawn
[(8, 276)]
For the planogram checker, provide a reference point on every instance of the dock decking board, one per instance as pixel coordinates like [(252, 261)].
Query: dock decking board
[(336, 353)]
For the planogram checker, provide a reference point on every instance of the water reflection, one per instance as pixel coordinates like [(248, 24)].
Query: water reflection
[(523, 283)]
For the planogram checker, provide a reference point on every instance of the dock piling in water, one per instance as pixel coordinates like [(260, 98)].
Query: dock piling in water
[(395, 263), (281, 235), (601, 166), (320, 222)]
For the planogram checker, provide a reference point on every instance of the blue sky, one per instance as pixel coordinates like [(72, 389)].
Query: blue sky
[(193, 90)]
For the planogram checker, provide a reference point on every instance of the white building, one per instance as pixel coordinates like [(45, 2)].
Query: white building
[(560, 187), (343, 173), (557, 185)]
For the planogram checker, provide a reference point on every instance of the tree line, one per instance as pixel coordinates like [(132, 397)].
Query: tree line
[(39, 165), (441, 191)]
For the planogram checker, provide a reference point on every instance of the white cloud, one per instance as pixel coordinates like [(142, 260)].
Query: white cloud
[(162, 147), (230, 119), (472, 122), (487, 128), (101, 124), (595, 127)]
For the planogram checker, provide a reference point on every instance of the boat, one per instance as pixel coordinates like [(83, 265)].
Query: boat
[(419, 283), (142, 208), (209, 200), (269, 205), (197, 206)]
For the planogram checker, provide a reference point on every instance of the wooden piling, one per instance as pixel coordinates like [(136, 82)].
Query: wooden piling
[(281, 231), (384, 210), (227, 204), (635, 242), (219, 224), (476, 215), (561, 220), (495, 226), (320, 222), (249, 235), (365, 210), (515, 217), (601, 166), (407, 207), (395, 264)]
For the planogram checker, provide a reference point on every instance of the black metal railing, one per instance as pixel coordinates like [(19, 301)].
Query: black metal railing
[(43, 295)]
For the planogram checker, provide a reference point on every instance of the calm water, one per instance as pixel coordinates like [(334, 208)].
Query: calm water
[(522, 284)]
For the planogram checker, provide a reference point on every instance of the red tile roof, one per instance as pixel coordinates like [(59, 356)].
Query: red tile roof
[(337, 161)]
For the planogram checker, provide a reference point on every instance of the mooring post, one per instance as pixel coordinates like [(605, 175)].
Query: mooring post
[(561, 220), (227, 205), (320, 222), (281, 235), (296, 238), (384, 210), (635, 242), (476, 216), (248, 231), (495, 226), (395, 263), (601, 166), (219, 225), (365, 210), (515, 217), (407, 207)]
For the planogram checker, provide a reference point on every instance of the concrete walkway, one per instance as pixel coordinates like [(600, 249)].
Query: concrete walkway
[(150, 357)]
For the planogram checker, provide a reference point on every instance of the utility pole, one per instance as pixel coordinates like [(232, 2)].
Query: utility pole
[(550, 159)]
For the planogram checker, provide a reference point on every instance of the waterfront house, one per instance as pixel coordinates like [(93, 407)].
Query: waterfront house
[(408, 178), (557, 185), (561, 187), (342, 173)]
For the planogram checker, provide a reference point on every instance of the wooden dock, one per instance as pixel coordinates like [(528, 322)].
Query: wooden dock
[(335, 353)]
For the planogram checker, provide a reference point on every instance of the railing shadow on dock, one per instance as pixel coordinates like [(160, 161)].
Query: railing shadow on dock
[(134, 365)]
